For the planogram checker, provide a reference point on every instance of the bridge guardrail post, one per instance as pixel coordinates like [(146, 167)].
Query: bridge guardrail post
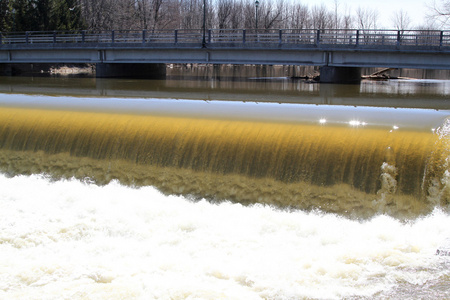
[(112, 36), (441, 39), (243, 36), (398, 38), (26, 37), (209, 36), (176, 36), (54, 36), (144, 33), (83, 36), (280, 37), (318, 37), (357, 38)]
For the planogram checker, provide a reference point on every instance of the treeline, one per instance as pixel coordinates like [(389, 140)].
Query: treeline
[(23, 15), (30, 15)]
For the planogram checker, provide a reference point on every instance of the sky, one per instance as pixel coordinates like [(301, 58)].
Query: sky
[(416, 9)]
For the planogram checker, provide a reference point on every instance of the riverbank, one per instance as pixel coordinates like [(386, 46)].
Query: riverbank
[(221, 72)]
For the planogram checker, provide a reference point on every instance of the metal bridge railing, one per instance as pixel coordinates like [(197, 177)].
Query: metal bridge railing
[(302, 37)]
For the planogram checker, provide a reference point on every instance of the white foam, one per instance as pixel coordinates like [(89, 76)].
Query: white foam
[(73, 240)]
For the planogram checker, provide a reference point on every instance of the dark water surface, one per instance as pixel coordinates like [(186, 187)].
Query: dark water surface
[(186, 84)]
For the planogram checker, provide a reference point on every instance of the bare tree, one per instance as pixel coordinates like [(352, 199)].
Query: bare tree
[(249, 14), (126, 15), (439, 12), (401, 20), (321, 18), (98, 14), (157, 6), (237, 18), (429, 24), (190, 12), (210, 13), (224, 11), (237, 14), (366, 18), (336, 17), (298, 16), (346, 20), (272, 14), (143, 13), (168, 16)]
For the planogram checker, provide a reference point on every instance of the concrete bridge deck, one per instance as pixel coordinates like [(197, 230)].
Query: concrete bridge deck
[(323, 48)]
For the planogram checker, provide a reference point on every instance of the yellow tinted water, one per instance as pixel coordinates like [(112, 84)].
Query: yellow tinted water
[(337, 168)]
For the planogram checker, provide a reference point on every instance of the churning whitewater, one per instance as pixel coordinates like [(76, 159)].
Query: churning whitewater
[(70, 239)]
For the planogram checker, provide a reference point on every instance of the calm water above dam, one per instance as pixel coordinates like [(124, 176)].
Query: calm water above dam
[(200, 187)]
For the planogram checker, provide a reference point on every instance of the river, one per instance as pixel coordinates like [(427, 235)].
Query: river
[(223, 187)]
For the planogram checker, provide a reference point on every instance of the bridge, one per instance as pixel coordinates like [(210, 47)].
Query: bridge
[(339, 52)]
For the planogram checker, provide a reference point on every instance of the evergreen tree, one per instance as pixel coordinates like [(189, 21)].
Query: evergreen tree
[(66, 15), (40, 15), (42, 12), (22, 16), (5, 15)]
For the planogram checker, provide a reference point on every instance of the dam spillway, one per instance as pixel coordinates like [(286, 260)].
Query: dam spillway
[(352, 161)]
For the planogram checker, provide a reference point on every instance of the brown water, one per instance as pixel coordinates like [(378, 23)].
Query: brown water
[(245, 84)]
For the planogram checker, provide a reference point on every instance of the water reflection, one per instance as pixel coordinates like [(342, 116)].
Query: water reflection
[(421, 93)]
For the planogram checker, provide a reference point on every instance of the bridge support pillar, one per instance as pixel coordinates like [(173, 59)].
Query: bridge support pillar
[(124, 70), (340, 74), (23, 69), (6, 70)]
